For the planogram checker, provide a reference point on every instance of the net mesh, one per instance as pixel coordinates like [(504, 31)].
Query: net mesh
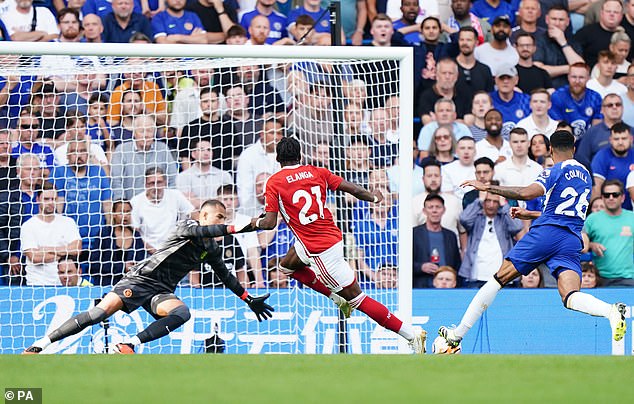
[(135, 144)]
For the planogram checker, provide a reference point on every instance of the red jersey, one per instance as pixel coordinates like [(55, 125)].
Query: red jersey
[(299, 194)]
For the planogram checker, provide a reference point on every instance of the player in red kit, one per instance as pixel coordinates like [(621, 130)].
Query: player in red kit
[(298, 192)]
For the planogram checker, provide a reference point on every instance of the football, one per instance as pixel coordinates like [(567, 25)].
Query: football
[(440, 347)]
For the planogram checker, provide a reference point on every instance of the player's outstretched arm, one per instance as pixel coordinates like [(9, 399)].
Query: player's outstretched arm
[(214, 230), (526, 193), (359, 192), (257, 304), (267, 221)]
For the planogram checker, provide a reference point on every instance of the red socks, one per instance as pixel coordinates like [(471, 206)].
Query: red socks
[(308, 278), (379, 313)]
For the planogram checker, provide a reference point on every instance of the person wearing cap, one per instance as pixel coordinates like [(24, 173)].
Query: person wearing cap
[(490, 10), (499, 50), (513, 105)]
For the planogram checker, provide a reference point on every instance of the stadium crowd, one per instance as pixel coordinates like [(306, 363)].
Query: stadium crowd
[(95, 168)]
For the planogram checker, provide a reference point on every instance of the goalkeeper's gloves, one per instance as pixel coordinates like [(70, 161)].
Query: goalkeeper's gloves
[(258, 305), (231, 229)]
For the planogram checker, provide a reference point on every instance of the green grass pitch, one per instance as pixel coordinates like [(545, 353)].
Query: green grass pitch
[(321, 378)]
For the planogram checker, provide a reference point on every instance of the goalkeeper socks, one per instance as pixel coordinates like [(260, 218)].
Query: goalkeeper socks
[(133, 341), (42, 342), (79, 322), (379, 313), (307, 277), (478, 305), (588, 304), (161, 327)]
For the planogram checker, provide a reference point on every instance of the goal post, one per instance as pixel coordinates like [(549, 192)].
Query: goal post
[(305, 322)]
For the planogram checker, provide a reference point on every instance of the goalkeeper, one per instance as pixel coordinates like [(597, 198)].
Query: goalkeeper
[(151, 283)]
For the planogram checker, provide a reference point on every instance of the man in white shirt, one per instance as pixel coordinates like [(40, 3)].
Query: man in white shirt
[(539, 121), (519, 170), (22, 25), (46, 238), (499, 51), (455, 173), (156, 210), (605, 83), (493, 145), (201, 181), (255, 159), (75, 131)]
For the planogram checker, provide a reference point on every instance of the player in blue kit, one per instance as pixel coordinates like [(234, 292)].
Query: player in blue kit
[(554, 239)]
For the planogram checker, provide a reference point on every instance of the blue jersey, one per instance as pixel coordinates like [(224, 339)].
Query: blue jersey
[(608, 166), (578, 113), (411, 37), (488, 13), (567, 186), (43, 152), (277, 22), (512, 111), (164, 24), (103, 7), (321, 26)]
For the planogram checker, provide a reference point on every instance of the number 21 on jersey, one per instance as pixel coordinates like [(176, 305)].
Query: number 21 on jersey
[(302, 196)]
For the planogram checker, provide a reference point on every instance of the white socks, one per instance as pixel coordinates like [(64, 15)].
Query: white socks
[(407, 332), (481, 301), (588, 304)]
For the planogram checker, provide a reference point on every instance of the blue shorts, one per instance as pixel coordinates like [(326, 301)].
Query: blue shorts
[(555, 246)]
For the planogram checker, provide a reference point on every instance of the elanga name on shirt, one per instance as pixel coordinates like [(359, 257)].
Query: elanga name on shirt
[(302, 175)]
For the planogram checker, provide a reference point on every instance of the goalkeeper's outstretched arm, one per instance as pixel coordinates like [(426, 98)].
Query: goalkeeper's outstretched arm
[(213, 230)]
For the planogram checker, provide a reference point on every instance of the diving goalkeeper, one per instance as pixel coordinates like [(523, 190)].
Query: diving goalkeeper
[(151, 283)]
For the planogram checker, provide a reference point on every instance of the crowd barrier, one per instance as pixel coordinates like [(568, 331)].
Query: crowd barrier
[(519, 322)]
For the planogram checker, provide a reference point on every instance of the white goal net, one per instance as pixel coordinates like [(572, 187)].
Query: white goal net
[(136, 137)]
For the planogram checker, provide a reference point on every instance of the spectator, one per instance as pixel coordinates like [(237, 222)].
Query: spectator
[(576, 104), (25, 22), (492, 10), (432, 180), (556, 51), (123, 22), (528, 12), (596, 205), (228, 195), (69, 25), (277, 20), (236, 35), (499, 50), (200, 182), (313, 9), (262, 97), (97, 128), (484, 172), (513, 105), (313, 120), (28, 140), (456, 172), (119, 247), (242, 123), (103, 7), (46, 238), (628, 97), (620, 46), (491, 232), (432, 49), (443, 148), (256, 158), (216, 17), (434, 245), (589, 276), (444, 114), (462, 17), (628, 24), (386, 277), (93, 29), (445, 87), (605, 84), (519, 170), (610, 237), (477, 76), (131, 160), (131, 106), (409, 24), (375, 235), (151, 98), (177, 25), (533, 280), (51, 116), (538, 121), (156, 210), (276, 279), (84, 86), (211, 128), (531, 77), (445, 278), (614, 162), (383, 141), (357, 163), (596, 37), (481, 104), (69, 273), (598, 136), (259, 30), (303, 33), (539, 148), (15, 93), (8, 173), (86, 190), (493, 146), (76, 131), (16, 206)]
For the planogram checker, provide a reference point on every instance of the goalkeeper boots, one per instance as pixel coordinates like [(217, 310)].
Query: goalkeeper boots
[(617, 321), (343, 305), (450, 336), (32, 350), (125, 349), (418, 343)]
